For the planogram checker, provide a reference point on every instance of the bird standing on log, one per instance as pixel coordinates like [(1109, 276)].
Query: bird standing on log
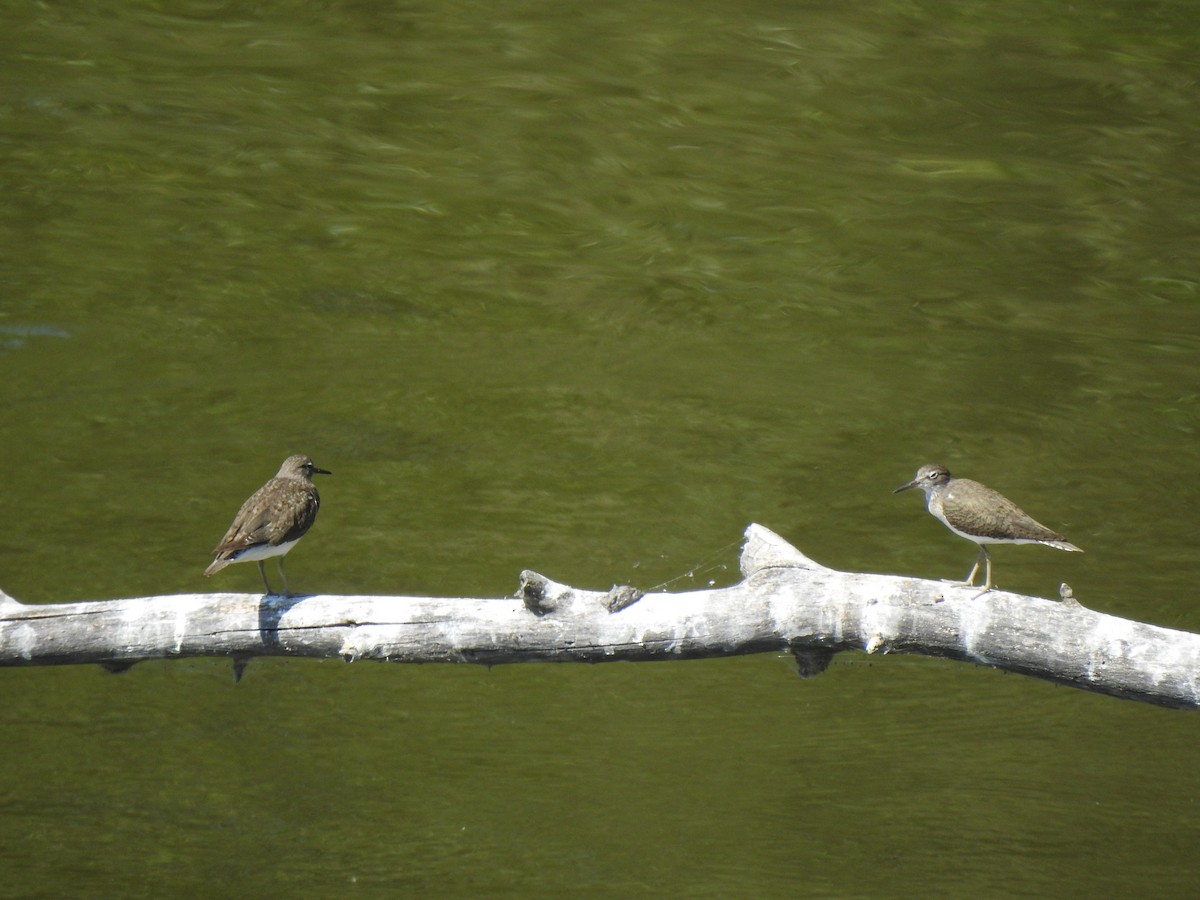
[(979, 514), (273, 520)]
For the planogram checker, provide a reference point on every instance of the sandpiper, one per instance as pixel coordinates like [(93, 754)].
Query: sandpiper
[(274, 518), (979, 514)]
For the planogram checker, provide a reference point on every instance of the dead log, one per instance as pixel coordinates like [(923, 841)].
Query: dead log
[(784, 603)]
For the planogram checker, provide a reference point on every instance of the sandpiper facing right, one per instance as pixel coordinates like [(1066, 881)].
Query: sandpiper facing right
[(270, 523)]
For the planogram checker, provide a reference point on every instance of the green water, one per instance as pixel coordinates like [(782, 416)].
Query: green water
[(586, 289)]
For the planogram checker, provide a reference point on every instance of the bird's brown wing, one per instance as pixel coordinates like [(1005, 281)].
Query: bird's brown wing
[(990, 514), (278, 512)]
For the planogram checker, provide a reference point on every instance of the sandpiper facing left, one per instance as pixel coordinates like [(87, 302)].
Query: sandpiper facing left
[(979, 514), (275, 517)]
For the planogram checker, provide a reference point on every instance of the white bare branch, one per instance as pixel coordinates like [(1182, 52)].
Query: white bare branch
[(784, 603)]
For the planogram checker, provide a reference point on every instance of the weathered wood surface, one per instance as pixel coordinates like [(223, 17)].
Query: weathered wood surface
[(785, 602)]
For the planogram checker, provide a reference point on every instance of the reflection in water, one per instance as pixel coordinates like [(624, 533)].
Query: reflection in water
[(14, 337)]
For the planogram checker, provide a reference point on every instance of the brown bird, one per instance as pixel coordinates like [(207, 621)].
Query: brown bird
[(979, 514), (271, 522)]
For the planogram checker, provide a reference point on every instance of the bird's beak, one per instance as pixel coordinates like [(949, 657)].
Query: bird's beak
[(905, 487), (317, 471)]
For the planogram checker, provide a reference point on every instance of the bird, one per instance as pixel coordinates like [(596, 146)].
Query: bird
[(275, 517), (982, 515)]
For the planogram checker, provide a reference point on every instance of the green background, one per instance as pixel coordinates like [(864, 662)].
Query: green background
[(586, 288)]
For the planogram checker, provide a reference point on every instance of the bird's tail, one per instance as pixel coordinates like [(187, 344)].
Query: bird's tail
[(216, 566), (1063, 545)]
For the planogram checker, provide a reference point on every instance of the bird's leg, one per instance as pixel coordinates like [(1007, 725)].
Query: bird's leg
[(987, 581), (969, 581), (263, 573), (286, 592)]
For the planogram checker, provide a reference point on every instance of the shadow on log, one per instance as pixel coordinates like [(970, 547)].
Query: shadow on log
[(784, 603)]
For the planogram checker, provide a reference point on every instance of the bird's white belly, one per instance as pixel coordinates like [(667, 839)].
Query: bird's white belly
[(263, 551), (979, 539)]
